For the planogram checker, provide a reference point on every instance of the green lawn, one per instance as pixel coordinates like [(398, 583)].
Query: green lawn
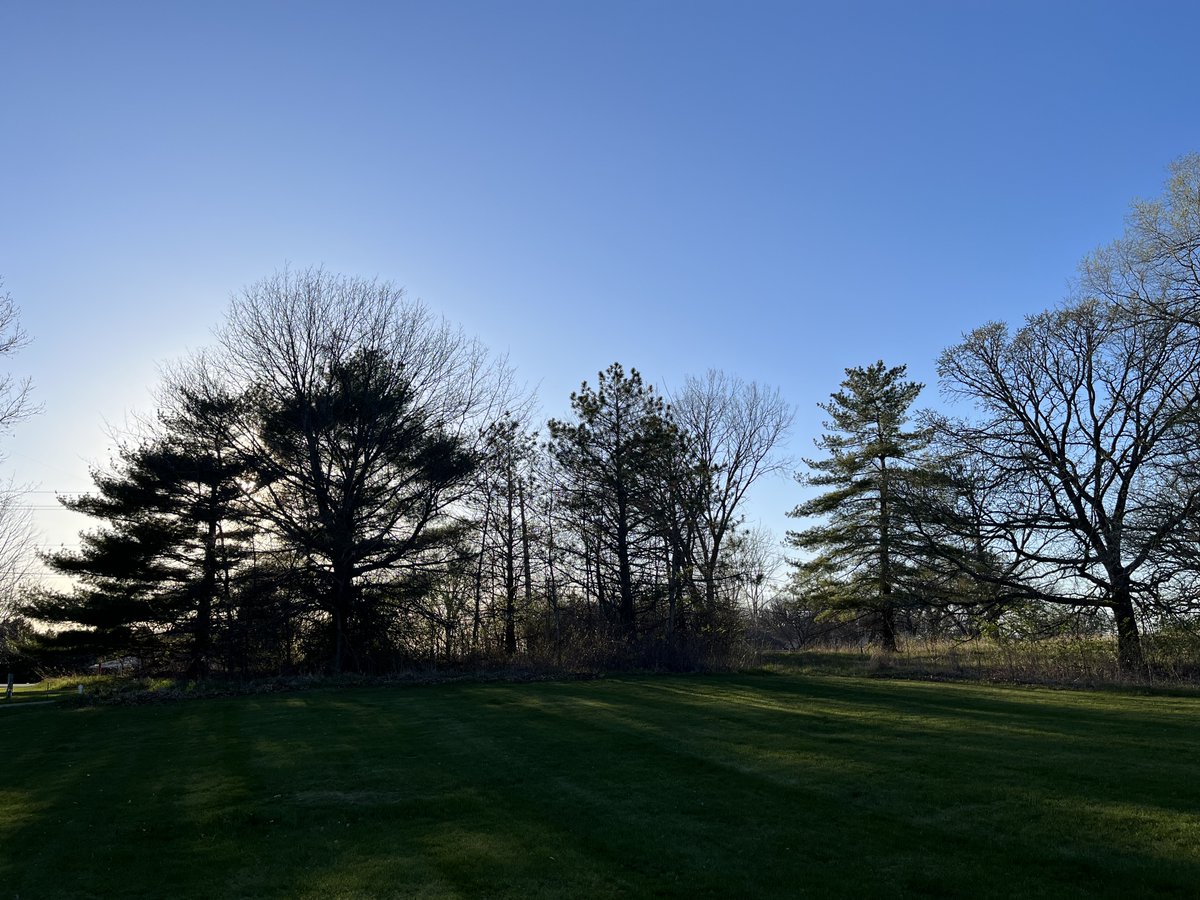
[(754, 785), (53, 689)]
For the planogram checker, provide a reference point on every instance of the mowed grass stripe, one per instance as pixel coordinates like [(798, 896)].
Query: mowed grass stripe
[(670, 786)]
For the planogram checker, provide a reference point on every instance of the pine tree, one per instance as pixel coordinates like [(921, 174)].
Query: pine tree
[(859, 552), (156, 572), (364, 418), (356, 477), (611, 460)]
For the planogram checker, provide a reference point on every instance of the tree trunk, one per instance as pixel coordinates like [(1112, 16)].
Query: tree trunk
[(487, 515), (886, 630), (525, 549), (343, 594), (1129, 641), (337, 640), (510, 572), (202, 646), (552, 586), (710, 582), (624, 567), (887, 617), (711, 562)]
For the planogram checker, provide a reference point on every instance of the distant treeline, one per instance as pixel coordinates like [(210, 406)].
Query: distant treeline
[(347, 482)]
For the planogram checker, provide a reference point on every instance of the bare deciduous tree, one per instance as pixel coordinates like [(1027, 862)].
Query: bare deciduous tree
[(736, 429), (1086, 414), (17, 534), (1155, 266), (16, 405), (755, 561)]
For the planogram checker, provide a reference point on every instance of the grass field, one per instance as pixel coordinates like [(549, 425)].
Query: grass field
[(748, 785), (51, 689)]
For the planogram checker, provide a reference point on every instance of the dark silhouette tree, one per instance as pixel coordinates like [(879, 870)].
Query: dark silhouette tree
[(1084, 447), (362, 424), (608, 456), (173, 532), (505, 482), (356, 477)]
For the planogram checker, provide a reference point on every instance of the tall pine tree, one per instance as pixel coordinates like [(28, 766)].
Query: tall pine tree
[(858, 560), (611, 458)]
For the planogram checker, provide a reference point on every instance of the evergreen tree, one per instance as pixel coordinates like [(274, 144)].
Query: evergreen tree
[(364, 418), (610, 457), (356, 478), (154, 575), (860, 554)]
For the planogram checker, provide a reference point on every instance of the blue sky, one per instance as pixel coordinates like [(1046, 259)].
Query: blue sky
[(780, 190)]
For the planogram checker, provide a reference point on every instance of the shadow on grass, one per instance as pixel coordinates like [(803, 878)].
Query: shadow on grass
[(716, 785)]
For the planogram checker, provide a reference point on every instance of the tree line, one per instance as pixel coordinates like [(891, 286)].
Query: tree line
[(346, 482)]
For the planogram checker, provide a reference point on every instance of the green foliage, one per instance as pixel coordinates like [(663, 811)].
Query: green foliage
[(857, 563), (17, 646)]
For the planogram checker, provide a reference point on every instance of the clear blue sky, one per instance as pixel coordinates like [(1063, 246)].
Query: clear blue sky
[(778, 190)]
